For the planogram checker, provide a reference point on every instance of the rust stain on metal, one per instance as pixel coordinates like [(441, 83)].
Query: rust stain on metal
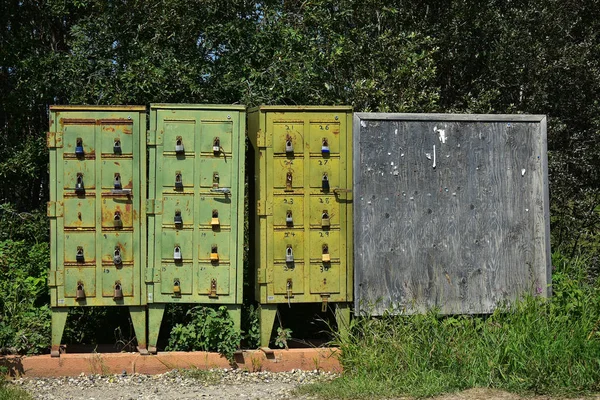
[(116, 121), (127, 130), (124, 251), (108, 215), (59, 108), (107, 258), (91, 155), (78, 121), (50, 136)]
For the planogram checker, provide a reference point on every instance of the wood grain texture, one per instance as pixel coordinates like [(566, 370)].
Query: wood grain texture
[(462, 236)]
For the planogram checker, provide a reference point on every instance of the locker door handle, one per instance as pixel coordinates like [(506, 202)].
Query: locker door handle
[(221, 190), (121, 191), (343, 194), (339, 191)]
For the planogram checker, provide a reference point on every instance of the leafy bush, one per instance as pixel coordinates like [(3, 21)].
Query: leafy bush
[(24, 316), (207, 330)]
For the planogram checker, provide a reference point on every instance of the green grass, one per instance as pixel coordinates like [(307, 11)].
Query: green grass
[(536, 346), (8, 392), (205, 377)]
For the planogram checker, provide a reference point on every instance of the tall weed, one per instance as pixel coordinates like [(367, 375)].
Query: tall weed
[(537, 345)]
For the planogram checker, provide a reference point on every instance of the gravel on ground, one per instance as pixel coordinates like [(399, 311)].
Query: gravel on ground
[(176, 384), (225, 384)]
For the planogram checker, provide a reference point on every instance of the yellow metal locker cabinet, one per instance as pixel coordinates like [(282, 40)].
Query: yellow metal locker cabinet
[(303, 217), (195, 208), (97, 183)]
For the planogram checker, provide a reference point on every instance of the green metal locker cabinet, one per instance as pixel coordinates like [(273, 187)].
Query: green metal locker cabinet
[(195, 208), (303, 217), (97, 182)]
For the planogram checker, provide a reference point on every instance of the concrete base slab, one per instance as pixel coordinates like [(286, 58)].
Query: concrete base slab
[(324, 359)]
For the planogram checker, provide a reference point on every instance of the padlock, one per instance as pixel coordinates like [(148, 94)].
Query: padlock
[(79, 188), (216, 146), (117, 256), (179, 145), (288, 181), (325, 223), (325, 183), (289, 254), (117, 146), (325, 146), (177, 254), (215, 180), (288, 218), (79, 255), (80, 294), (176, 287), (215, 218), (289, 147), (79, 148), (117, 182), (214, 253), (178, 181), (178, 220), (118, 222), (118, 295), (326, 255), (289, 285)]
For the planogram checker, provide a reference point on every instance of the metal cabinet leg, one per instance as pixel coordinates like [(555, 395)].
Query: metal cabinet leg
[(155, 317), (235, 313), (267, 313), (138, 318), (59, 318), (342, 318)]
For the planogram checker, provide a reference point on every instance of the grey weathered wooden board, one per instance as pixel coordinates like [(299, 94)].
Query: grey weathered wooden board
[(450, 211)]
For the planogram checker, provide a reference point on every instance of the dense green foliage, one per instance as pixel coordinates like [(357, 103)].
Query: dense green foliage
[(207, 329), (24, 316), (535, 346), (524, 56)]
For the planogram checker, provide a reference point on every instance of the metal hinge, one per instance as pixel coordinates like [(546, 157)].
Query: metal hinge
[(149, 275), (264, 208), (52, 278), (213, 289), (54, 209), (153, 206), (55, 278), (260, 139), (54, 140), (261, 275), (263, 139), (151, 137)]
